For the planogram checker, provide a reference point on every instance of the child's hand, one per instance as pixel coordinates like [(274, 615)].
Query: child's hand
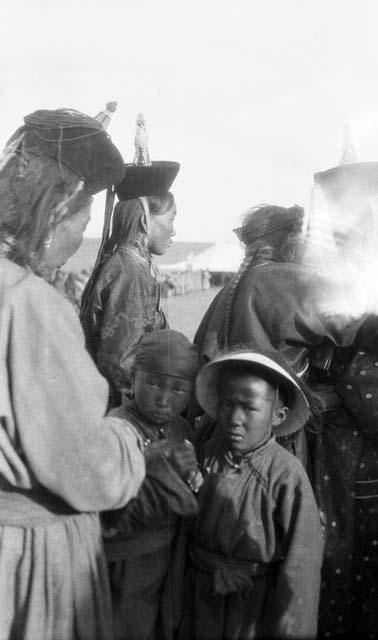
[(183, 459), (194, 480)]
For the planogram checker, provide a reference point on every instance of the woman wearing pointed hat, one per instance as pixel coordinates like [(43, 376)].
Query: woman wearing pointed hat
[(61, 460), (122, 299), (256, 548)]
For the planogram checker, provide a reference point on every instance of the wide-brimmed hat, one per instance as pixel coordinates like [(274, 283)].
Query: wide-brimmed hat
[(270, 364)]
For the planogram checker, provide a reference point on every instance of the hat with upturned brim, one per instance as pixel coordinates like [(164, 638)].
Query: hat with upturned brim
[(268, 365), (349, 183), (147, 180), (143, 178)]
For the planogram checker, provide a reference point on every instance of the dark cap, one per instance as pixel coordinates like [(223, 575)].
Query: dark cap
[(75, 140), (147, 180)]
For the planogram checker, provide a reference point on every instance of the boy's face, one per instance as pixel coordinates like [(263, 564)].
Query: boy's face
[(248, 408), (159, 397)]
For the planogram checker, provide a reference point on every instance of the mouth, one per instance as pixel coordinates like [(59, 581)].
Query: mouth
[(161, 416), (234, 436)]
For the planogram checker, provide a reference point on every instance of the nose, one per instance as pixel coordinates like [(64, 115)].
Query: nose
[(236, 417), (163, 400)]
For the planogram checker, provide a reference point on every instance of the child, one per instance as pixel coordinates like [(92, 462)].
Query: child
[(256, 544), (145, 542)]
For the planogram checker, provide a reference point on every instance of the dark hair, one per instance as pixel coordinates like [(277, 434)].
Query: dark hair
[(35, 195), (264, 230), (127, 225), (160, 204)]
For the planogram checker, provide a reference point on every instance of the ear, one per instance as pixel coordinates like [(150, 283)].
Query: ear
[(280, 414)]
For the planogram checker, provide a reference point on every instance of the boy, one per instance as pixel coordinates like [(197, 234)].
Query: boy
[(256, 545), (145, 542)]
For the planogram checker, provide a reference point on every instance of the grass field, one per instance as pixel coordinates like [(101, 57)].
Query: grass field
[(186, 312)]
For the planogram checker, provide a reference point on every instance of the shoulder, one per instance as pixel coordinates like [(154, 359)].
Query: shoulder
[(285, 470), (31, 302)]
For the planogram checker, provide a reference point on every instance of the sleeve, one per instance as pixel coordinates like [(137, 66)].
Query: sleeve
[(292, 607), (59, 400), (163, 498)]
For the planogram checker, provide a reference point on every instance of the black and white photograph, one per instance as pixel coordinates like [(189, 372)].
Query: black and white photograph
[(188, 320)]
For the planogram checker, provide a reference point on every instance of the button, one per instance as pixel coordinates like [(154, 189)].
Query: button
[(368, 396)]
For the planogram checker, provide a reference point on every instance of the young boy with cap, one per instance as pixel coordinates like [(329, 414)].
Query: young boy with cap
[(145, 543), (256, 548)]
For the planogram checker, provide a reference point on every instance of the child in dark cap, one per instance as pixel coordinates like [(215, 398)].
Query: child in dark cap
[(256, 547), (145, 542)]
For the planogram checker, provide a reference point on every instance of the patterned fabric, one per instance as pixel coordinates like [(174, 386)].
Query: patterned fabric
[(124, 304), (258, 508), (346, 475)]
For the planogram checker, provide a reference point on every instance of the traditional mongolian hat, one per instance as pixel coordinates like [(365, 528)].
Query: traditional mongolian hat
[(142, 177), (74, 140), (350, 183), (271, 366)]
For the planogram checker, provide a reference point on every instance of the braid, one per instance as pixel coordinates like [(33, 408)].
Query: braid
[(257, 253)]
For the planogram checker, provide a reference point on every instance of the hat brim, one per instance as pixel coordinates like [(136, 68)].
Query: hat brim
[(207, 388), (354, 181), (147, 180)]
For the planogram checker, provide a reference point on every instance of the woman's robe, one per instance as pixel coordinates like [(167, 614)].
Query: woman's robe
[(256, 548), (123, 305), (61, 461)]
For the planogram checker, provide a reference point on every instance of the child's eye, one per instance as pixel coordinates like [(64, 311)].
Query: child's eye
[(178, 391)]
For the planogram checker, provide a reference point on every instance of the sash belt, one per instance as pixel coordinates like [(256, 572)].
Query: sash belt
[(229, 574), (30, 508)]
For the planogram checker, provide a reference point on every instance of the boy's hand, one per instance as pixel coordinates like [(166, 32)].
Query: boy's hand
[(183, 459)]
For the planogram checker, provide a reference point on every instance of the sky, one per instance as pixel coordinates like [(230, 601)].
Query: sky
[(250, 96)]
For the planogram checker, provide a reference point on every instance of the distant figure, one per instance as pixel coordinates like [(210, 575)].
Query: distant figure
[(205, 279)]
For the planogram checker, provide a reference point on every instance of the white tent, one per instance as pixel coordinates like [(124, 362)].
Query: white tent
[(223, 257)]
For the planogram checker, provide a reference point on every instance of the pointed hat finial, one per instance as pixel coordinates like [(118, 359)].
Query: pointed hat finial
[(142, 157), (104, 116), (349, 154)]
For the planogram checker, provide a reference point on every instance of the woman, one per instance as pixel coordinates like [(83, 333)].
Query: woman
[(61, 461), (124, 301), (274, 302)]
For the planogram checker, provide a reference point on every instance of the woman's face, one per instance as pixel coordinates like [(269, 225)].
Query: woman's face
[(67, 237), (161, 231)]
